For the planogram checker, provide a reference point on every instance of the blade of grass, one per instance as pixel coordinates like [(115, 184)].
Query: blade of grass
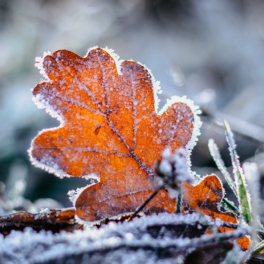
[(214, 151), (259, 249), (252, 177), (229, 205), (243, 197)]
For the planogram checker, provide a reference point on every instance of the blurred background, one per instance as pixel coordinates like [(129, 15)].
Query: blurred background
[(210, 51)]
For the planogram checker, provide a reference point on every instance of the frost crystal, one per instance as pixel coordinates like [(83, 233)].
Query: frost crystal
[(173, 169), (42, 213), (39, 64), (74, 194)]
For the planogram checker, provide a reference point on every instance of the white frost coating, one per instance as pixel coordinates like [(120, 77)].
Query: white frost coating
[(92, 176), (155, 87), (112, 53), (166, 219), (53, 170), (165, 167), (180, 161), (43, 247), (174, 169), (92, 48), (166, 153), (74, 194), (43, 103), (39, 64), (116, 58), (42, 213)]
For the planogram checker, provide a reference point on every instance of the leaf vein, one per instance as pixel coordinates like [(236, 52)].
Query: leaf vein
[(134, 110), (86, 150), (133, 155)]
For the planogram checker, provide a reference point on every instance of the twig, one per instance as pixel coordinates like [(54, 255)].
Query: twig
[(49, 219), (145, 203)]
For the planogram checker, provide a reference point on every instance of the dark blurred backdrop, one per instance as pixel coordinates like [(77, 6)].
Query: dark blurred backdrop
[(211, 51)]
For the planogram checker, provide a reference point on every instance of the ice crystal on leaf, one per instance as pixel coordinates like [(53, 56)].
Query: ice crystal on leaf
[(109, 127)]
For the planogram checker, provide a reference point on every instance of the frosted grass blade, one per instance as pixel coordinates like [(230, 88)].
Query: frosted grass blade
[(243, 196), (229, 205), (252, 177), (214, 151)]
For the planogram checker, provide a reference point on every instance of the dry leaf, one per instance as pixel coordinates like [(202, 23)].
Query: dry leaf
[(50, 219), (205, 198), (110, 130)]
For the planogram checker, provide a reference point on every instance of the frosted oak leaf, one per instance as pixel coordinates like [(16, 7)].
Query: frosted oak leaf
[(110, 130)]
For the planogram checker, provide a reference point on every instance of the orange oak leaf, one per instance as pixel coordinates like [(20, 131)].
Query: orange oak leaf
[(205, 198), (110, 130)]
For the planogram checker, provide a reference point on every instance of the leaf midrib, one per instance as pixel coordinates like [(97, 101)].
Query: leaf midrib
[(89, 93)]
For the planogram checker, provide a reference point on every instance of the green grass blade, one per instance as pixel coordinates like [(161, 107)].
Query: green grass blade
[(214, 151), (259, 249), (243, 196), (229, 205)]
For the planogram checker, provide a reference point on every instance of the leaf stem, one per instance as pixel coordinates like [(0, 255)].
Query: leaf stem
[(145, 203), (179, 200)]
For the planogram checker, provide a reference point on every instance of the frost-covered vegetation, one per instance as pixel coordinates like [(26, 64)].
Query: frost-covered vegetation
[(210, 51)]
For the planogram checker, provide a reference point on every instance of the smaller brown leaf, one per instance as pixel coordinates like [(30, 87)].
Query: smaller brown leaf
[(205, 198)]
